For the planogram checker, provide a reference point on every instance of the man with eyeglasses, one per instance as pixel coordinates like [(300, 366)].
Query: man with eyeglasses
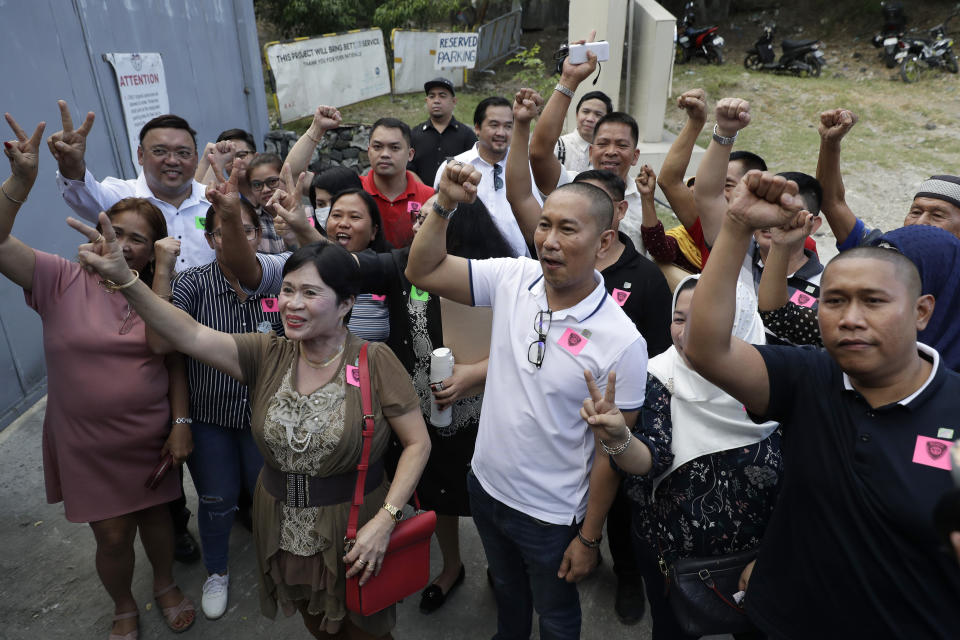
[(168, 155), (493, 124), (539, 486)]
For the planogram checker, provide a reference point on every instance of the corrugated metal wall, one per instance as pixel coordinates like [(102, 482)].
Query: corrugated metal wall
[(51, 49)]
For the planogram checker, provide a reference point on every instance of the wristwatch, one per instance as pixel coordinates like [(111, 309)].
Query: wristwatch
[(395, 513), (443, 213), (724, 140)]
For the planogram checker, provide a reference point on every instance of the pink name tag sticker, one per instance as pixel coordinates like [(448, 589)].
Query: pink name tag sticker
[(413, 207), (572, 341), (377, 298), (269, 305), (620, 296), (932, 452), (311, 221), (802, 299), (353, 375)]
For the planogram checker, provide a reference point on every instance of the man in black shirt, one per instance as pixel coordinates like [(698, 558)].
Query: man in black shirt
[(441, 136), (850, 550)]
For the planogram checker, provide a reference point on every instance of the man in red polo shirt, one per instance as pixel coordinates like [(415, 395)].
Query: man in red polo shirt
[(398, 192)]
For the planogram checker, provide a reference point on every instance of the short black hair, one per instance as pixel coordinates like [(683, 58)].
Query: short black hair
[(168, 121), (210, 218), (333, 181), (601, 205), (393, 123), (619, 117), (473, 234), (379, 243), (809, 189), (597, 95), (238, 134), (261, 159), (687, 285), (905, 267), (480, 113), (749, 159), (613, 184), (335, 265)]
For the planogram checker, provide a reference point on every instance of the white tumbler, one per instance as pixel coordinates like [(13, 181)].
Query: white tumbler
[(441, 368)]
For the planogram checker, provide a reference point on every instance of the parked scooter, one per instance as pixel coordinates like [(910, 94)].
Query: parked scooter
[(691, 42), (935, 53), (800, 57), (891, 37)]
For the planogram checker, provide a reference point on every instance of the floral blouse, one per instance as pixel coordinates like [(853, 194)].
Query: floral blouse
[(716, 504)]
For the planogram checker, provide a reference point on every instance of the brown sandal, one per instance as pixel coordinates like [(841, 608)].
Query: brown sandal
[(130, 635), (172, 614)]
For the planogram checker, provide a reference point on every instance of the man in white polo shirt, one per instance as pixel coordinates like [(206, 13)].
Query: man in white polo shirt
[(537, 496)]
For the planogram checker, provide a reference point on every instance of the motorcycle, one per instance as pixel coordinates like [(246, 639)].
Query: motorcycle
[(691, 42), (800, 57), (891, 37), (935, 53)]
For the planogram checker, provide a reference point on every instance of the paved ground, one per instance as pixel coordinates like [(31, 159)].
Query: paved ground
[(49, 588)]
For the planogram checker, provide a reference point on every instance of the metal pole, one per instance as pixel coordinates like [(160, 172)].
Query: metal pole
[(627, 92)]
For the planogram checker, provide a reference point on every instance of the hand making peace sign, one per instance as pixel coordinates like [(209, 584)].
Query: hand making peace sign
[(69, 145)]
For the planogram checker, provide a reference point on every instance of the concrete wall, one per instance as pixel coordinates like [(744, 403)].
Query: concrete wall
[(52, 49)]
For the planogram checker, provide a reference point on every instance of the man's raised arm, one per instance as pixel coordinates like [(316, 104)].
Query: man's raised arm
[(761, 200), (324, 119), (546, 168), (525, 207), (429, 267), (733, 114), (833, 126), (680, 197)]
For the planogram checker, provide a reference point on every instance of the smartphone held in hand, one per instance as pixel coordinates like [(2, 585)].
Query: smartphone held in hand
[(578, 52)]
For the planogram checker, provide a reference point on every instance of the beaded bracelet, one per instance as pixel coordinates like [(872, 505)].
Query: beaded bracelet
[(620, 448)]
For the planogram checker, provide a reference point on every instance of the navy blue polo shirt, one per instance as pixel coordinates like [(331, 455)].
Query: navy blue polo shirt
[(850, 550)]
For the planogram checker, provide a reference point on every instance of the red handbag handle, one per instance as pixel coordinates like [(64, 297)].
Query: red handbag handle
[(367, 436)]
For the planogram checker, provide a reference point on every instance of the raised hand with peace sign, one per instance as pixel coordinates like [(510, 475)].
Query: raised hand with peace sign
[(69, 145), (17, 259), (610, 426)]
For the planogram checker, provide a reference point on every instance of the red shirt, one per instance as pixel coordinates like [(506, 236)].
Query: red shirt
[(398, 215)]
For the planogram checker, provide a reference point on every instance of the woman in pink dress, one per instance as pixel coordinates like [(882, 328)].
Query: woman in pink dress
[(107, 421)]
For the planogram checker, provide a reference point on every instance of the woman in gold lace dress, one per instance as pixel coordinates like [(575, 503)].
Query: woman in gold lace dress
[(306, 420)]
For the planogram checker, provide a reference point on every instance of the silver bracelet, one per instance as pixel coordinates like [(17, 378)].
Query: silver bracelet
[(19, 202), (724, 140), (183, 421), (564, 90), (620, 448)]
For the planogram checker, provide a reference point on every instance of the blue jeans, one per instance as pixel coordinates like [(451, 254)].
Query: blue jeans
[(524, 555), (222, 461)]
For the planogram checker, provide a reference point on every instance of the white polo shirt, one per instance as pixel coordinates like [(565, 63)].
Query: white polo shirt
[(534, 452), (88, 198)]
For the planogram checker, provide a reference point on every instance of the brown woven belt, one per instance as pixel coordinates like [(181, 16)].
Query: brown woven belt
[(300, 490)]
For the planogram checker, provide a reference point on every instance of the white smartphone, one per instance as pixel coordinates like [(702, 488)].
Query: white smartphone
[(578, 52)]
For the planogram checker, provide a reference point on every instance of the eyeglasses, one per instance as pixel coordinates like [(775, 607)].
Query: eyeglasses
[(537, 348), (497, 179), (163, 152), (248, 231), (127, 323), (257, 185)]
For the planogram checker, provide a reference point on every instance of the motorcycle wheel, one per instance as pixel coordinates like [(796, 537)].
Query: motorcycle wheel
[(950, 61), (714, 55), (682, 55), (910, 69), (811, 61), (752, 62), (890, 60)]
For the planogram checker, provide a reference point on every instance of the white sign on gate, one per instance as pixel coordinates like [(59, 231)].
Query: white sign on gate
[(143, 91), (336, 70), (456, 50)]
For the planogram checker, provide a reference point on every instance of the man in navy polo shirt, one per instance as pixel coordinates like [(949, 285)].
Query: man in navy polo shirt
[(850, 550), (537, 495)]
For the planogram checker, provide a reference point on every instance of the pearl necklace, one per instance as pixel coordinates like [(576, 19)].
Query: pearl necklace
[(325, 363)]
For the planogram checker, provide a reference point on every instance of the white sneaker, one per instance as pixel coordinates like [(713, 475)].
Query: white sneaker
[(214, 601)]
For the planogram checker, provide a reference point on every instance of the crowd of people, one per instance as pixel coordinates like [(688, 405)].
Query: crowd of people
[(703, 392)]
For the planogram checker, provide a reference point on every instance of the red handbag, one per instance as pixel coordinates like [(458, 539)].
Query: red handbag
[(406, 563)]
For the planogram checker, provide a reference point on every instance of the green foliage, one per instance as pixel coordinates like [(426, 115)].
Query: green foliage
[(295, 18), (394, 14), (532, 73)]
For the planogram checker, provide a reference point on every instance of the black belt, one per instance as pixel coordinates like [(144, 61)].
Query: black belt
[(300, 490)]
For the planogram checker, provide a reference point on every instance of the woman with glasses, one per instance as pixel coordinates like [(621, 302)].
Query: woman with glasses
[(107, 421), (263, 176), (225, 457)]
